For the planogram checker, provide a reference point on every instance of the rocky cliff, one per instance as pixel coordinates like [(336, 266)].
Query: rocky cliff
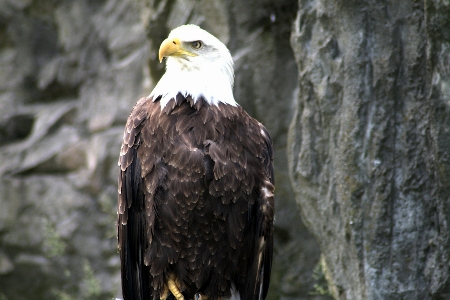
[(354, 94), (369, 144), (70, 73)]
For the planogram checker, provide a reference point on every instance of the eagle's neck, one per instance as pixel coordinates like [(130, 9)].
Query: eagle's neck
[(212, 83)]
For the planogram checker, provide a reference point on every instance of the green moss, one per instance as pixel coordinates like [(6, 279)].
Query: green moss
[(321, 287), (61, 295), (53, 243), (89, 290), (108, 207), (92, 284)]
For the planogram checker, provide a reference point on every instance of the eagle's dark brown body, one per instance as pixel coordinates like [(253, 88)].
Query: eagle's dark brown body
[(195, 201)]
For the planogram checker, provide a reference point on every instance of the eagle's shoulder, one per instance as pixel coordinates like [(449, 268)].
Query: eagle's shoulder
[(144, 109)]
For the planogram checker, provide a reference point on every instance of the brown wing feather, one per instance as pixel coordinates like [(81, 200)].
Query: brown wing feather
[(132, 225), (195, 200)]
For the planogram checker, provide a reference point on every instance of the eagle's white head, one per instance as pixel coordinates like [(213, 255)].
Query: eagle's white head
[(197, 64)]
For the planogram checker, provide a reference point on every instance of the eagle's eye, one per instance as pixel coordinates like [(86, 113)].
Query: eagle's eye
[(196, 45)]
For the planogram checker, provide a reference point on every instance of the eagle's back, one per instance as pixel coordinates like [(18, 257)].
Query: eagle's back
[(195, 200)]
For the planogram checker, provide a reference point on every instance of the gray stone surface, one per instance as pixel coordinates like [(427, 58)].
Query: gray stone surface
[(356, 98), (369, 144), (70, 72)]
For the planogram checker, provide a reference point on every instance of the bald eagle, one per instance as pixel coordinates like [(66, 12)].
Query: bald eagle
[(196, 183)]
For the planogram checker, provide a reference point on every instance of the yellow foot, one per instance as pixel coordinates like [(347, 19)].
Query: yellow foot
[(174, 288)]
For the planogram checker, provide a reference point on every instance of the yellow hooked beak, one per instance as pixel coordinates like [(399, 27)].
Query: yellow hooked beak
[(173, 47)]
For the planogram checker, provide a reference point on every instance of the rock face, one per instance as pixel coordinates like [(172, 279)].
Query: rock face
[(354, 94), (369, 144), (70, 72)]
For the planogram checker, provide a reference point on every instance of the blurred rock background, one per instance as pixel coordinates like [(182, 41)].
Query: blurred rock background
[(70, 72), (356, 98)]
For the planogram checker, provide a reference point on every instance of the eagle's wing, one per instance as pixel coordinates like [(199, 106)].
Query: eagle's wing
[(131, 223), (259, 275)]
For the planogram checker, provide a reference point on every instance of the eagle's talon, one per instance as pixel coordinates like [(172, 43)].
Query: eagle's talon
[(173, 288)]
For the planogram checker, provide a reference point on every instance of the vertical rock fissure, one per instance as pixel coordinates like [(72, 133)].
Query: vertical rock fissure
[(398, 49), (368, 107)]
